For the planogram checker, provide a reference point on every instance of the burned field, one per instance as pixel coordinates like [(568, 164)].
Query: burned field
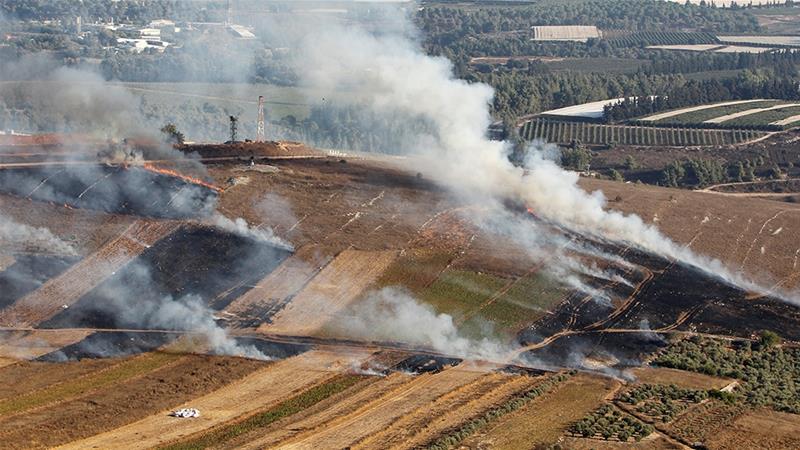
[(204, 264), (358, 228), (28, 272), (115, 189)]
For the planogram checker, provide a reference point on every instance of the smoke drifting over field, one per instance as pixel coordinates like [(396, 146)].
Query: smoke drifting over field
[(396, 76), (392, 314), (20, 235)]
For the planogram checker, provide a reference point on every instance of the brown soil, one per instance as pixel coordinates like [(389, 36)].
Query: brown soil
[(35, 343), (122, 403), (27, 376), (654, 441), (762, 428), (248, 149), (382, 411), (448, 412), (544, 420), (336, 286), (734, 232), (691, 380), (226, 401), (704, 422)]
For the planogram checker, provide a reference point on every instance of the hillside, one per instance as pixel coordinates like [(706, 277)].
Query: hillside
[(372, 270)]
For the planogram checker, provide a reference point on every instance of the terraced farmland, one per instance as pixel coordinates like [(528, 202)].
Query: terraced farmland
[(565, 132), (709, 112)]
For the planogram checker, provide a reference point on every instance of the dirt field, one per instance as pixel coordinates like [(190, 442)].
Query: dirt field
[(762, 428), (120, 403), (426, 424), (655, 441), (257, 390), (691, 380), (336, 286), (61, 292), (384, 410), (731, 229), (32, 344), (271, 294), (544, 420)]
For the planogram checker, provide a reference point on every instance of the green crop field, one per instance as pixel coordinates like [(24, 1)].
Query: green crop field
[(710, 113), (766, 117), (565, 132)]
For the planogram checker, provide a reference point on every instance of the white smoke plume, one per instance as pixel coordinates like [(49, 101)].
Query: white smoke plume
[(392, 314), (17, 234), (240, 227), (393, 73)]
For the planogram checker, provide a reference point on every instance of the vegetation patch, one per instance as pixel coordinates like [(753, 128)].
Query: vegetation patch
[(125, 370), (565, 132), (662, 403), (768, 372), (609, 423), (710, 113), (284, 409), (663, 38), (454, 437), (766, 117)]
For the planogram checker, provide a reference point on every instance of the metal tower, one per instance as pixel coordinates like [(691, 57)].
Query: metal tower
[(260, 132), (234, 127)]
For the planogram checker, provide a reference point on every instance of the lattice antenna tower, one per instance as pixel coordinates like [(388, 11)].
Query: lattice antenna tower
[(234, 127), (260, 129)]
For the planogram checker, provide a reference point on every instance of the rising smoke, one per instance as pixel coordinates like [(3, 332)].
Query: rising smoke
[(395, 75), (392, 314), (21, 236)]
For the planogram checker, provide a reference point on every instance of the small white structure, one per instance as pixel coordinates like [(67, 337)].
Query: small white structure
[(185, 413), (241, 32)]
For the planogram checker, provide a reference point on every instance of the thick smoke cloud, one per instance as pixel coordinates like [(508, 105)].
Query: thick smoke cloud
[(394, 75), (392, 314)]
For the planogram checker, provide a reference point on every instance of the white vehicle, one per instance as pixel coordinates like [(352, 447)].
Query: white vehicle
[(185, 413)]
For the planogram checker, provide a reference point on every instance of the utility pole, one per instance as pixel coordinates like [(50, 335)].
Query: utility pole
[(234, 127), (229, 16), (260, 131)]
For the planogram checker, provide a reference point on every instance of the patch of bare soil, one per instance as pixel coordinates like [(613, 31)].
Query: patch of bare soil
[(225, 401), (26, 376), (756, 236), (704, 422), (544, 420), (122, 403), (247, 149), (762, 428), (681, 378)]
